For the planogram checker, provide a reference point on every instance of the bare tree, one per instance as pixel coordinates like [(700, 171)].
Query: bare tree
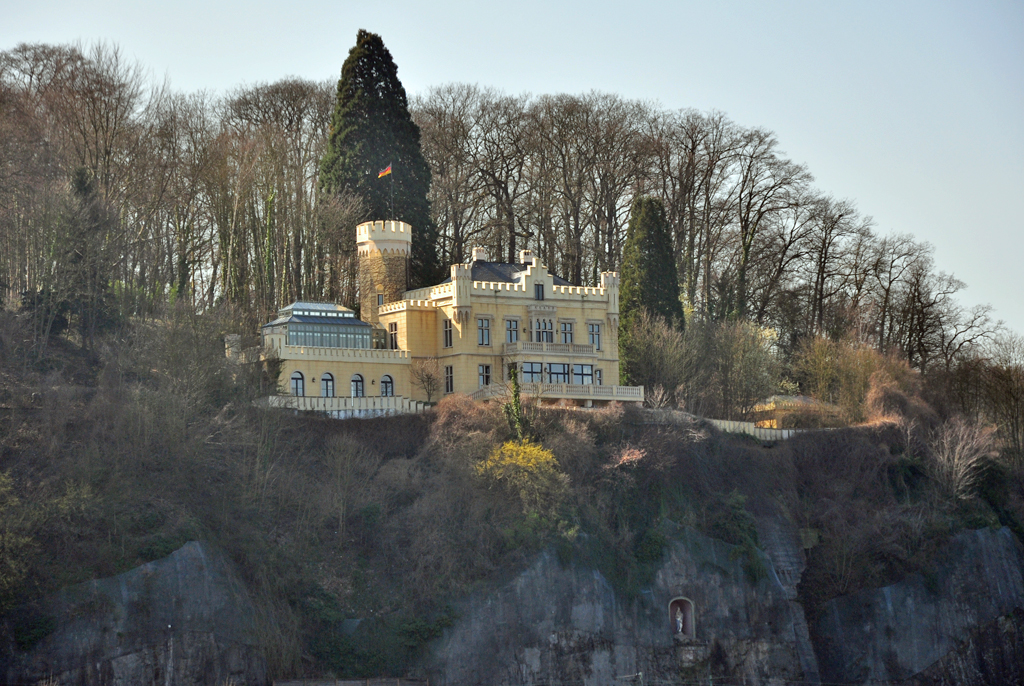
[(426, 375), (765, 185)]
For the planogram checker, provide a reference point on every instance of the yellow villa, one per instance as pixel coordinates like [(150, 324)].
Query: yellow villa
[(459, 336)]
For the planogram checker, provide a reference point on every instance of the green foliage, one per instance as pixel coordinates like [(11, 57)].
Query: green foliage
[(379, 647), (371, 128), (651, 547), (15, 544), (29, 625), (649, 284), (649, 280), (732, 522), (513, 409)]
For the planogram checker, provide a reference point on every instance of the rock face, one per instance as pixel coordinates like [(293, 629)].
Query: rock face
[(896, 632), (992, 654), (183, 620), (564, 624)]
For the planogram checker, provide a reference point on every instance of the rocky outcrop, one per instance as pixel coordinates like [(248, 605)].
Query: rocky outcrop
[(565, 624), (781, 542), (184, 619), (992, 654), (893, 633)]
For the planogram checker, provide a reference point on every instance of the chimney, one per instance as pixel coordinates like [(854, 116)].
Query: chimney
[(526, 257), (479, 254)]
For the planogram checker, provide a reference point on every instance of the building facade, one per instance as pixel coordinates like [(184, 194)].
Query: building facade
[(459, 336)]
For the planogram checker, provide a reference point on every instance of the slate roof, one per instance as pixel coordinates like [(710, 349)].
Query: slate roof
[(305, 318), (504, 272)]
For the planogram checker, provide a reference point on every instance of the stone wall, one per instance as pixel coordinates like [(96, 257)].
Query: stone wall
[(389, 272), (183, 620)]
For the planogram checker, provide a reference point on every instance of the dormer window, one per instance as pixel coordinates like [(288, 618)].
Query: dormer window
[(538, 291)]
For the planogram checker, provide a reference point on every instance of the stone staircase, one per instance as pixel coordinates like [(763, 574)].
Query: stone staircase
[(781, 542)]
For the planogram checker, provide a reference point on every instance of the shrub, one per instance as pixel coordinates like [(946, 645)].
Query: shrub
[(528, 471), (959, 452)]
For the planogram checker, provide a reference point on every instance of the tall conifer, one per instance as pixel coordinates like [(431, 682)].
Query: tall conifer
[(371, 128), (649, 278), (649, 281)]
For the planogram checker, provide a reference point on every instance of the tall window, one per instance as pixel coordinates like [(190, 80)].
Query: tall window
[(594, 335), (583, 374), (393, 335), (447, 333), (543, 331), (327, 385), (597, 377), (565, 329), (358, 390), (387, 386), (298, 384), (380, 300), (538, 291), (511, 331), (483, 331), (449, 380), (484, 374)]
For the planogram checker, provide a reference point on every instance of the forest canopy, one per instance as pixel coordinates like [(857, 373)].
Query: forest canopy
[(214, 200)]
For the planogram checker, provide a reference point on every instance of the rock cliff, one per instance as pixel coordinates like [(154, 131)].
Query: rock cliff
[(952, 621), (184, 620), (564, 624)]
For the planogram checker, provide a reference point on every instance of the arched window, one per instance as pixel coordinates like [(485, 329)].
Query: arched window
[(357, 386), (387, 386), (298, 384), (680, 612), (327, 386)]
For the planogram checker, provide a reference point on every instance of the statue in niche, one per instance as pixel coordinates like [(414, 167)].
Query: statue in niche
[(680, 615)]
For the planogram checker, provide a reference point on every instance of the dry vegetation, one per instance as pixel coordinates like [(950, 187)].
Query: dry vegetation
[(120, 455)]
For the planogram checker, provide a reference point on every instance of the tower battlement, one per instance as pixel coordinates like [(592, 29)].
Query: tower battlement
[(383, 248), (385, 237)]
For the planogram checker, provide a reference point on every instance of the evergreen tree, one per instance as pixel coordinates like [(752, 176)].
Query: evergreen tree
[(649, 281), (649, 278), (371, 128)]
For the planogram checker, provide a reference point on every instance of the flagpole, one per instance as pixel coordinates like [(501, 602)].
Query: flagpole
[(392, 175)]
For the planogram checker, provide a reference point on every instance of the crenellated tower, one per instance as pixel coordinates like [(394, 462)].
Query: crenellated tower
[(383, 248)]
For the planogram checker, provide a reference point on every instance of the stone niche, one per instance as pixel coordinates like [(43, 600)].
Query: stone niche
[(557, 623)]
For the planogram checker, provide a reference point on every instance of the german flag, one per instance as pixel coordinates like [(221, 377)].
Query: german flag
[(384, 172)]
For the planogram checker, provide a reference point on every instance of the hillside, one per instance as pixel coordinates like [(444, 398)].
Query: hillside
[(120, 456)]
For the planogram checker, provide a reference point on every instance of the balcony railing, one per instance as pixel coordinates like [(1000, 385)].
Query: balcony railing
[(344, 406), (577, 349), (566, 390)]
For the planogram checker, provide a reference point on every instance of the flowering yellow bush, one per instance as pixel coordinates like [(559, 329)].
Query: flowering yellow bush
[(528, 470)]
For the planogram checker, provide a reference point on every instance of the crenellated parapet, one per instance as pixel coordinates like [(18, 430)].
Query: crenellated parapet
[(383, 248), (386, 237)]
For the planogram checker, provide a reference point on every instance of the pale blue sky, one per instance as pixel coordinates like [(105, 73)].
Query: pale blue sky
[(914, 110)]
